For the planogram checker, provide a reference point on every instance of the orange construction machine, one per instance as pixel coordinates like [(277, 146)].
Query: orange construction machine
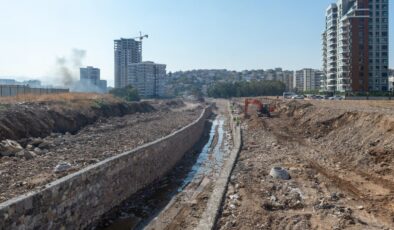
[(263, 109)]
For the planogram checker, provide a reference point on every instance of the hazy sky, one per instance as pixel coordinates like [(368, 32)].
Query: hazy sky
[(184, 34)]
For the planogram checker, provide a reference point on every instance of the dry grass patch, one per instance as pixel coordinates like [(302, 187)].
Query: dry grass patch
[(55, 97), (61, 101)]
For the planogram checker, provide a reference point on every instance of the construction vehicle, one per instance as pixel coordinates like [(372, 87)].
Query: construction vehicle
[(263, 109)]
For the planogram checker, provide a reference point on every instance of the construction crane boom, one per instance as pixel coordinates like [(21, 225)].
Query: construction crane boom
[(141, 37)]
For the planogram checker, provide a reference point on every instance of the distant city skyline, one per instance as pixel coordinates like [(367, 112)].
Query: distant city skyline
[(185, 35)]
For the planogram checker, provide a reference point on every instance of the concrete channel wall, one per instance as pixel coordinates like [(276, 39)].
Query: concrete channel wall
[(79, 199), (212, 211)]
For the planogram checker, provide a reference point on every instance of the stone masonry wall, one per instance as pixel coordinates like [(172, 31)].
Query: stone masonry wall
[(75, 201)]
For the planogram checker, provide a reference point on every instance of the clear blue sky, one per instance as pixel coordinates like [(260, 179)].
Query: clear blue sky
[(184, 34)]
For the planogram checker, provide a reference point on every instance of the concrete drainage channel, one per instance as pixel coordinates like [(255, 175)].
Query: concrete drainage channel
[(139, 210), (212, 211), (80, 199), (190, 197)]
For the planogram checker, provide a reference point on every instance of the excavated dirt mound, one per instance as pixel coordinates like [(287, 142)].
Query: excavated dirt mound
[(356, 138), (23, 120), (340, 158)]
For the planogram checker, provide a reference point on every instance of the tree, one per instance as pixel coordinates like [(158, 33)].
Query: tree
[(127, 93), (246, 89)]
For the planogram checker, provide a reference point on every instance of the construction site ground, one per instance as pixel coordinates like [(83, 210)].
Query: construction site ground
[(104, 138), (339, 155)]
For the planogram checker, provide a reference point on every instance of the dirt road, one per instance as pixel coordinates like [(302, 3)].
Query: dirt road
[(340, 159)]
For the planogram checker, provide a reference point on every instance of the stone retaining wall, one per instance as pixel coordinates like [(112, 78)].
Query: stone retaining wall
[(79, 199)]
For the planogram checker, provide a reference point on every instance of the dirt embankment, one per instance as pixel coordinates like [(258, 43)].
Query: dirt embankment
[(363, 140), (340, 159), (108, 127), (40, 119)]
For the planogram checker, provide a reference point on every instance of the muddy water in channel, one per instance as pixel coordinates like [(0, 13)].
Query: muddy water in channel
[(206, 159)]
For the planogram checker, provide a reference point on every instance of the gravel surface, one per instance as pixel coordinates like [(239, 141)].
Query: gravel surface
[(96, 142)]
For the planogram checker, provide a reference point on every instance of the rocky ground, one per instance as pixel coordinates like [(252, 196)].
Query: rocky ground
[(340, 159), (41, 160)]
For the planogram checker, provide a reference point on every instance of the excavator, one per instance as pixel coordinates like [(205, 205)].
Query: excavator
[(263, 109)]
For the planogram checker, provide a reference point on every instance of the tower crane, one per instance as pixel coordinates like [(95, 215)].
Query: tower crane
[(141, 37)]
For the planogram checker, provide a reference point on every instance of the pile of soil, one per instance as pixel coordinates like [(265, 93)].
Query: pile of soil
[(357, 139), (40, 119)]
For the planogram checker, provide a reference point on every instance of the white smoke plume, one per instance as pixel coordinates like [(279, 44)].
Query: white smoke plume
[(68, 73), (67, 69)]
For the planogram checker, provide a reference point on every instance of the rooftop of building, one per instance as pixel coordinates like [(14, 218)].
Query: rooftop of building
[(126, 39), (331, 6), (146, 63)]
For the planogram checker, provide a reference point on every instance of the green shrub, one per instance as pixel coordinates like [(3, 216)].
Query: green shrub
[(246, 89), (127, 93)]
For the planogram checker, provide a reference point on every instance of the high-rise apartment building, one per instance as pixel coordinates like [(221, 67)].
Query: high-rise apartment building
[(379, 42), (288, 78), (298, 81), (127, 51), (307, 80), (148, 78), (90, 81), (89, 75), (330, 49), (355, 46), (391, 83)]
